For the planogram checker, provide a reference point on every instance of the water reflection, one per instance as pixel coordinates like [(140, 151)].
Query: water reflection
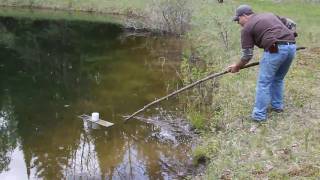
[(8, 136), (53, 71)]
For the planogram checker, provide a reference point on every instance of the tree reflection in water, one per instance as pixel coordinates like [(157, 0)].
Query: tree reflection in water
[(53, 71), (8, 136)]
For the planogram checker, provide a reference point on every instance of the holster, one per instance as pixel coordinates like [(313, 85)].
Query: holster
[(273, 48)]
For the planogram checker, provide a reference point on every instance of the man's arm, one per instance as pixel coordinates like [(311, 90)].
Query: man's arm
[(247, 55)]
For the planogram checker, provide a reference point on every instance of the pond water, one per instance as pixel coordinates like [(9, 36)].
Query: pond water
[(53, 71)]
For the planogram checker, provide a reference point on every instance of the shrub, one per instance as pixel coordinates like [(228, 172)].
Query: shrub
[(165, 16)]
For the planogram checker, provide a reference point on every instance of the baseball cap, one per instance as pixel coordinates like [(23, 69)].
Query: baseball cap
[(241, 10)]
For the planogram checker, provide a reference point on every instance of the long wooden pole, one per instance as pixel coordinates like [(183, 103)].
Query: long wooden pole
[(190, 86), (185, 88)]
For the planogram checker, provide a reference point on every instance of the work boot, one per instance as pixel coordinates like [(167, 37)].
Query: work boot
[(277, 110), (274, 110)]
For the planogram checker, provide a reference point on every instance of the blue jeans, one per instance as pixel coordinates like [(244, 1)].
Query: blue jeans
[(270, 84)]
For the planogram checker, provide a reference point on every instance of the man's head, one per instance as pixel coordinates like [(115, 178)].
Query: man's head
[(242, 14)]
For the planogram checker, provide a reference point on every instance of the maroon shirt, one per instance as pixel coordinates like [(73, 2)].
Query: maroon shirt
[(263, 30)]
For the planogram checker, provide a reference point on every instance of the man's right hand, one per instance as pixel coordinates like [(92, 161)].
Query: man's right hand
[(233, 68)]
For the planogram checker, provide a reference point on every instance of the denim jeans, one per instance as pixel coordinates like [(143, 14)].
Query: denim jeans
[(270, 83)]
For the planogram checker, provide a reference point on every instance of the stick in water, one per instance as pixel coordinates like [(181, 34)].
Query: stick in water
[(190, 86), (185, 88)]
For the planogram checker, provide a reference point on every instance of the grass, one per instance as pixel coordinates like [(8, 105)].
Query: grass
[(122, 6), (160, 17), (57, 15), (287, 145), (84, 10)]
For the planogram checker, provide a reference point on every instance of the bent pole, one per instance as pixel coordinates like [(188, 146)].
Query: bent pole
[(190, 86)]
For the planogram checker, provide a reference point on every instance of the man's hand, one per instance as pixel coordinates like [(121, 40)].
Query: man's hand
[(234, 68)]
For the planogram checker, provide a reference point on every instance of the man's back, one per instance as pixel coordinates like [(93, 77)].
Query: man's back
[(264, 30)]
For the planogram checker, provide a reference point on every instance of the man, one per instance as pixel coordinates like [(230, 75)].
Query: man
[(269, 33)]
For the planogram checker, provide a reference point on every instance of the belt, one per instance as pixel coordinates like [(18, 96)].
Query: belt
[(285, 42)]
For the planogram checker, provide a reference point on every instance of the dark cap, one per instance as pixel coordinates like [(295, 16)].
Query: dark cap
[(241, 10)]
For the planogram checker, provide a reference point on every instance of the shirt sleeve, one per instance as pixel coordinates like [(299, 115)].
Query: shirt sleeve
[(246, 39), (247, 54)]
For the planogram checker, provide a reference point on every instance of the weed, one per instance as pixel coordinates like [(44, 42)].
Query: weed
[(206, 151), (197, 120)]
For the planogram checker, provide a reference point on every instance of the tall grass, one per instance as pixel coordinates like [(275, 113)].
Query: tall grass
[(164, 16)]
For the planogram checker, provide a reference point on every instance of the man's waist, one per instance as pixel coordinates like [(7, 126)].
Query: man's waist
[(274, 47), (284, 42)]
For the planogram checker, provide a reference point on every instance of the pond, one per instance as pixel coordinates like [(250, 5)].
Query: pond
[(52, 71)]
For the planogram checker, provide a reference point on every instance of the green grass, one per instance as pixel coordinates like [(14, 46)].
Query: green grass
[(87, 10), (287, 145), (81, 5), (58, 14)]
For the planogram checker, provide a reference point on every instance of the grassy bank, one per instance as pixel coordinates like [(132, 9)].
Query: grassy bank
[(93, 10), (287, 145), (163, 17), (118, 7)]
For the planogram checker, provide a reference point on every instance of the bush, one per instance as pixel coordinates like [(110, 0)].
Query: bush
[(164, 16)]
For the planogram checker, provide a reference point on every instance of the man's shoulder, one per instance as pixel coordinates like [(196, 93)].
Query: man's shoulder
[(250, 24), (262, 16), (266, 14)]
